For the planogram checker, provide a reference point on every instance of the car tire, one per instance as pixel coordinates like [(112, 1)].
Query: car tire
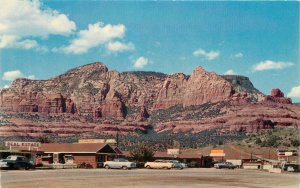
[(27, 167), (124, 167), (148, 167), (107, 167)]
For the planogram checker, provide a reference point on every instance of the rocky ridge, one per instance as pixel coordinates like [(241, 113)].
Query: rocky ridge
[(132, 101)]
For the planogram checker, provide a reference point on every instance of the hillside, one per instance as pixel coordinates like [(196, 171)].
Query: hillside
[(91, 99)]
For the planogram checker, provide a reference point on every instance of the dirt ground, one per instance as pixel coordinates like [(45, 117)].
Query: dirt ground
[(200, 177)]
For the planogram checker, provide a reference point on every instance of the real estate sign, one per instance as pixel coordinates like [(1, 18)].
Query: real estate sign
[(22, 144)]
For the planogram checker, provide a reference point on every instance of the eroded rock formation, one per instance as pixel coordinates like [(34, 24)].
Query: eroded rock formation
[(94, 94), (277, 96)]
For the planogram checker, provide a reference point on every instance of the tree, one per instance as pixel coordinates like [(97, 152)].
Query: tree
[(258, 141), (44, 139), (142, 152), (295, 143), (271, 141)]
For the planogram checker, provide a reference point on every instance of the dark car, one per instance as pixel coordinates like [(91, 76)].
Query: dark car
[(228, 165), (16, 162), (292, 167)]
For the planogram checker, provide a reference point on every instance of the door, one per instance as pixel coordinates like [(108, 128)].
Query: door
[(55, 157)]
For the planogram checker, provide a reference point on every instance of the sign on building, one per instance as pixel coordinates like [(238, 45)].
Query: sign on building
[(285, 154), (22, 144), (173, 151), (217, 153), (110, 141), (102, 141), (91, 141)]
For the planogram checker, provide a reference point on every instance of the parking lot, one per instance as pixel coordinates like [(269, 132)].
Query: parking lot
[(197, 177)]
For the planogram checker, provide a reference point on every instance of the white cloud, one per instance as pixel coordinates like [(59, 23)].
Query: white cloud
[(12, 75), (238, 55), (119, 46), (97, 34), (211, 55), (295, 92), (230, 72), (141, 62), (31, 77), (11, 41), (271, 65), (20, 20), (4, 87)]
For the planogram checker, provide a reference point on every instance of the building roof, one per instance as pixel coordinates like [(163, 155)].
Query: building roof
[(118, 151), (72, 148), (12, 151)]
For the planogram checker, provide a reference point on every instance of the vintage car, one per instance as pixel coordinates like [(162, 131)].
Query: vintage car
[(159, 163), (178, 164), (119, 163), (292, 167), (16, 162), (228, 165)]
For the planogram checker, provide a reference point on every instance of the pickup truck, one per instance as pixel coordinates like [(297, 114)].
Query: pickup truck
[(119, 163), (16, 162), (160, 164)]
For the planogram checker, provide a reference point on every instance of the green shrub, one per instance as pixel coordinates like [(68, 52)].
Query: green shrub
[(258, 141), (142, 152)]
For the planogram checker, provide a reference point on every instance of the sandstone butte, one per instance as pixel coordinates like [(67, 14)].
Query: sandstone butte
[(93, 99)]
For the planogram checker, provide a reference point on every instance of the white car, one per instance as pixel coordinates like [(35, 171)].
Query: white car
[(119, 163), (160, 164)]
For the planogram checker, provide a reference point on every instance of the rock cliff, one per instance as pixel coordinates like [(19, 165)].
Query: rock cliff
[(114, 101)]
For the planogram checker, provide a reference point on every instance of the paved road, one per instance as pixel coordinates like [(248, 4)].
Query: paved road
[(89, 178)]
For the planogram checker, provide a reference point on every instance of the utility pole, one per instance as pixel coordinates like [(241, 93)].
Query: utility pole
[(117, 138)]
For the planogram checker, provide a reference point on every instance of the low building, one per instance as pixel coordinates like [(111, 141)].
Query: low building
[(27, 149), (89, 154)]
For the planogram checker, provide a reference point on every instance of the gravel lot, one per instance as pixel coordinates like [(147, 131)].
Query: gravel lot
[(200, 177)]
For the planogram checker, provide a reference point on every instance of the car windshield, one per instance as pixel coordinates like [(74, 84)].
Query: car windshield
[(121, 160), (173, 161), (11, 157)]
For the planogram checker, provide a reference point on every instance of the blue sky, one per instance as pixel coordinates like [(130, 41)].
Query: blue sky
[(260, 40)]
